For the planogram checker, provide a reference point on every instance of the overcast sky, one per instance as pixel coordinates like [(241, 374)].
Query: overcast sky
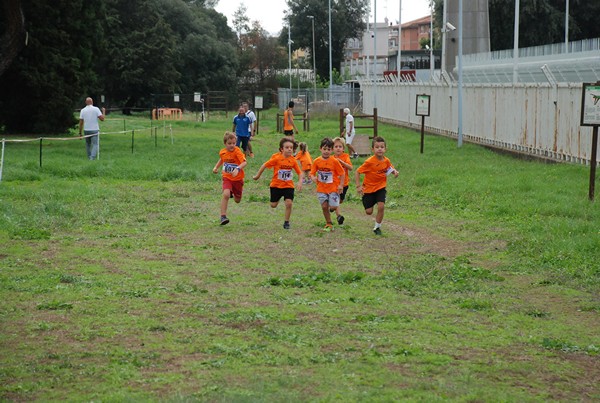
[(270, 12)]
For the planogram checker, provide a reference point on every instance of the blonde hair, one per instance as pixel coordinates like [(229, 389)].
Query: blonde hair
[(340, 139), (229, 136)]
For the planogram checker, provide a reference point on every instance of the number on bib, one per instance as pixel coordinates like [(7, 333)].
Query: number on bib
[(284, 174), (229, 168), (325, 177)]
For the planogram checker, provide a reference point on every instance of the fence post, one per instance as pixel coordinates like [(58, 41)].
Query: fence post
[(155, 136), (132, 137), (41, 138), (277, 122), (2, 160), (375, 122)]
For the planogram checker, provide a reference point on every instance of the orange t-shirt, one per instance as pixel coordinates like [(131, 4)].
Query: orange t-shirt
[(328, 174), (287, 116), (231, 160), (304, 159), (282, 170), (346, 158), (376, 172)]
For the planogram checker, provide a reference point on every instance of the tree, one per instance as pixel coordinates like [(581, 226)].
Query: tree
[(582, 21), (13, 38), (347, 21), (48, 77)]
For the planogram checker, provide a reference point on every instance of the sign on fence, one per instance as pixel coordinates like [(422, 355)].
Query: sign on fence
[(590, 105)]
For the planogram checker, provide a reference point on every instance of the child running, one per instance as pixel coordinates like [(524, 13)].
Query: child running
[(339, 145), (305, 160), (329, 175), (233, 161), (282, 184), (376, 169)]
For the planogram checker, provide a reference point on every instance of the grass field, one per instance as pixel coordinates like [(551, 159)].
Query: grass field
[(117, 283)]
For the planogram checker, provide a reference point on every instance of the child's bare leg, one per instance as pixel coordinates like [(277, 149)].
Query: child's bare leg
[(351, 149), (225, 201), (326, 213), (237, 199), (369, 211), (288, 209), (274, 204), (380, 209)]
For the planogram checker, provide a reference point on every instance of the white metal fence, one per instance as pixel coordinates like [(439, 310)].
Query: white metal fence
[(531, 118)]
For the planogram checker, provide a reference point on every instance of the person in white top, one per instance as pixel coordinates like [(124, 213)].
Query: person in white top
[(88, 125), (349, 133)]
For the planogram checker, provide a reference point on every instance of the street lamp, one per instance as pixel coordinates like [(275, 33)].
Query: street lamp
[(330, 60), (312, 17), (460, 73), (290, 57)]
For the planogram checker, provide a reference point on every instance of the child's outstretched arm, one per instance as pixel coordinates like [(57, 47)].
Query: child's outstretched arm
[(217, 166), (359, 187), (259, 173)]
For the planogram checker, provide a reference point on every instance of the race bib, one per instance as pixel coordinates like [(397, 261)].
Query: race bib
[(284, 174), (229, 168), (325, 177)]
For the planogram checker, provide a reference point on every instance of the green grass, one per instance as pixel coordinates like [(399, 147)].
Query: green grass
[(117, 283)]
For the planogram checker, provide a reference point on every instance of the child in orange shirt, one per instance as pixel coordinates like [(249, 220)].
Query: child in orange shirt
[(233, 161), (376, 169), (339, 145), (329, 175), (282, 184), (305, 160)]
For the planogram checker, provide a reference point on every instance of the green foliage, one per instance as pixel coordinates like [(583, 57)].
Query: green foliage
[(347, 21)]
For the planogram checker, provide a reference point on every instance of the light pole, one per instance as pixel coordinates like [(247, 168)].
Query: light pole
[(460, 73), (516, 45), (399, 63), (567, 27), (312, 17), (330, 60), (290, 56), (431, 65)]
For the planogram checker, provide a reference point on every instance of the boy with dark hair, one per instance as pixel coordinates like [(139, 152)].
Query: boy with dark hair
[(328, 173), (289, 127), (282, 184), (233, 161), (373, 189)]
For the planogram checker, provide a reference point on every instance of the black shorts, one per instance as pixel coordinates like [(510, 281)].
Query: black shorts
[(343, 194), (288, 132), (371, 199), (278, 193)]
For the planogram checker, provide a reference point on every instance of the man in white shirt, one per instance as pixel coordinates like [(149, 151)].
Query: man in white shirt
[(88, 124), (349, 132)]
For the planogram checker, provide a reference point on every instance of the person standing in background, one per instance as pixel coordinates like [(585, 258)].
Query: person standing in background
[(251, 128), (349, 133), (89, 126), (289, 127)]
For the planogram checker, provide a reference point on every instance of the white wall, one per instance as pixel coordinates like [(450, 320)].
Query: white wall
[(535, 119)]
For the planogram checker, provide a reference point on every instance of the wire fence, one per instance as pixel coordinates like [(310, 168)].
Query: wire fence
[(153, 131)]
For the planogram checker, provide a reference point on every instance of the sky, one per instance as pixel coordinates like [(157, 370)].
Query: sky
[(270, 12)]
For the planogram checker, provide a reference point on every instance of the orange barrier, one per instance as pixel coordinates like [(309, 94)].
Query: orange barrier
[(167, 114)]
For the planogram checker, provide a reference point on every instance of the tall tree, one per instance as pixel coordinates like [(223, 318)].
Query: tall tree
[(347, 21), (47, 78)]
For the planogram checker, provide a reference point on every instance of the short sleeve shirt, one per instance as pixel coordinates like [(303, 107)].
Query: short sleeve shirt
[(90, 115), (232, 160), (328, 172), (376, 172), (242, 125), (282, 170), (346, 158)]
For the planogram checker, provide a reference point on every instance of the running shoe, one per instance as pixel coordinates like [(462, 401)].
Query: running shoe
[(377, 231), (224, 220), (286, 225), (340, 219), (328, 228)]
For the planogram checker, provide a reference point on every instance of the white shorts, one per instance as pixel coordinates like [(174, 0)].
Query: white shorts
[(349, 138), (332, 198)]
